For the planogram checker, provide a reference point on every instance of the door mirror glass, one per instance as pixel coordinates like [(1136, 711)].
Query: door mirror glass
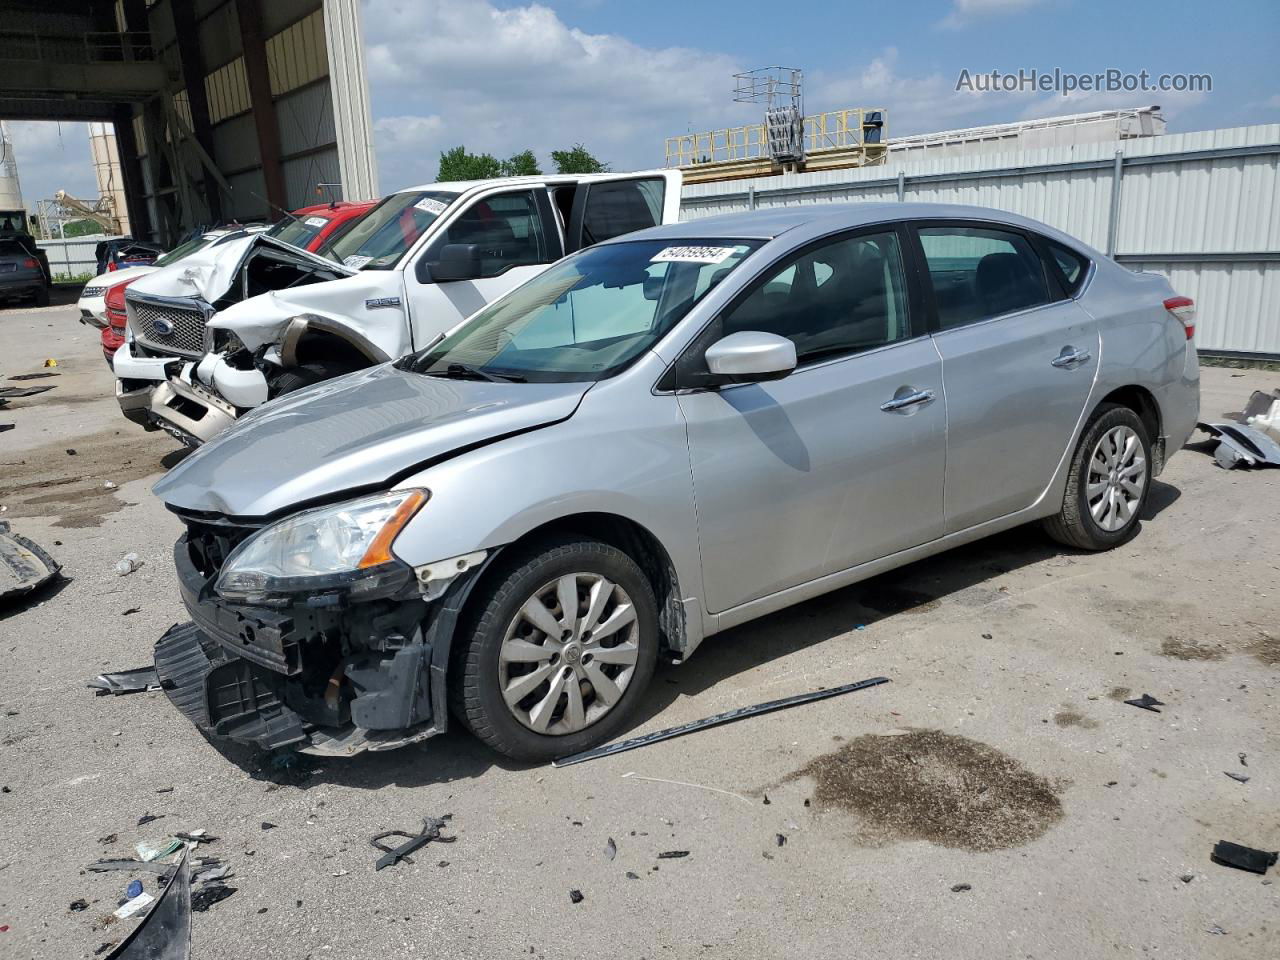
[(751, 356), (458, 261)]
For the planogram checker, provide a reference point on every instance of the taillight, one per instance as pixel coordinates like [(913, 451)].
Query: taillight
[(31, 263), (117, 316), (1184, 311), (111, 265)]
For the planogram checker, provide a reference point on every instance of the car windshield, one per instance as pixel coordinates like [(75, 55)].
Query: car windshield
[(381, 238), (298, 231), (587, 317), (183, 250)]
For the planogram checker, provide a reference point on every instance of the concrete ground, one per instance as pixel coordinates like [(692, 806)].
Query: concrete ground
[(997, 799)]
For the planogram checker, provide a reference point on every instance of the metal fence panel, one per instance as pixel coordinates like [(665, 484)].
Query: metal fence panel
[(1203, 208)]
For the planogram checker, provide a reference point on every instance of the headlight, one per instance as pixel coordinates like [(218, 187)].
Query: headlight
[(344, 547)]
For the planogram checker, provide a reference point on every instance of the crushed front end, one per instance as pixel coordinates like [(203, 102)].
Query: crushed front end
[(333, 671)]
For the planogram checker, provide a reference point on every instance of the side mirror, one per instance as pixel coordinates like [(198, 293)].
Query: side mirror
[(457, 261), (751, 356)]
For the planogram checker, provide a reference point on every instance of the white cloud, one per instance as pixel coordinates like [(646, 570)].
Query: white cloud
[(52, 156), (503, 80), (964, 12), (1171, 102)]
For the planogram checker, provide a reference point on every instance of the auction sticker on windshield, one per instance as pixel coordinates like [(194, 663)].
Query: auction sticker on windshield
[(356, 262), (693, 255), (315, 221), (431, 205)]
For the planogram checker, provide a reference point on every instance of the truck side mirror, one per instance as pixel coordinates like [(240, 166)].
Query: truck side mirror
[(456, 261)]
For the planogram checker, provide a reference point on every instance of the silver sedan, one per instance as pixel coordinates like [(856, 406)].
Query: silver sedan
[(657, 439)]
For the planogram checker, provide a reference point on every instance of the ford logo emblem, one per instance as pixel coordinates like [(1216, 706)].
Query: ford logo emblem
[(163, 327)]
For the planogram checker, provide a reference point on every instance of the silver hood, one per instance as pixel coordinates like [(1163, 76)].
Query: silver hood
[(352, 433)]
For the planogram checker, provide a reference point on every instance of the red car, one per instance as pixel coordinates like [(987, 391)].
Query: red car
[(311, 228)]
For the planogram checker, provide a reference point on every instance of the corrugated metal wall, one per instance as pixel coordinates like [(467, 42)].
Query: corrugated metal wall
[(1202, 208)]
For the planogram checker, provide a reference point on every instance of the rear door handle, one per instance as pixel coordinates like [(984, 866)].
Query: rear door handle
[(916, 399), (1070, 357)]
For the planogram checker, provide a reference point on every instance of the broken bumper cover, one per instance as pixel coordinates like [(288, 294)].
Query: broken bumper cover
[(332, 680)]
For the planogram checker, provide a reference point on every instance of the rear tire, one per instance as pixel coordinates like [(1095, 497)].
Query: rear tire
[(1108, 482), (306, 375), (42, 297), (587, 687)]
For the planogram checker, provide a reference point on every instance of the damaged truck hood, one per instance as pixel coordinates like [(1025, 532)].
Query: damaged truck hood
[(209, 274), (353, 433)]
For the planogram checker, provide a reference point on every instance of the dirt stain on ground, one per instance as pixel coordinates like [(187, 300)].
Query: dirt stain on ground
[(935, 786), (1267, 649), (1119, 693), (46, 481), (1073, 718), (1180, 649)]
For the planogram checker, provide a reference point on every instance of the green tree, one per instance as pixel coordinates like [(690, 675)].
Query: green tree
[(523, 164), (457, 164), (577, 160)]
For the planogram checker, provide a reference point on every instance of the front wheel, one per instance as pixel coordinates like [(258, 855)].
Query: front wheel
[(1108, 483), (306, 375), (558, 659)]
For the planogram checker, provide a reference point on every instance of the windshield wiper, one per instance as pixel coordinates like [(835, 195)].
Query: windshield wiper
[(460, 371)]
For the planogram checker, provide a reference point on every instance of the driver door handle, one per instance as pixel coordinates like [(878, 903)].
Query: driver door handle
[(919, 398)]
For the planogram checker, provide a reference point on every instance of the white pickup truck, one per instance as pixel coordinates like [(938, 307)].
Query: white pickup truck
[(232, 327)]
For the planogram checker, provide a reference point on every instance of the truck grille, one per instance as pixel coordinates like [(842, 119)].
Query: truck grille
[(168, 327)]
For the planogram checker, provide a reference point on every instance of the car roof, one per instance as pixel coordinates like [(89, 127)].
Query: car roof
[(332, 208), (771, 222), (462, 186)]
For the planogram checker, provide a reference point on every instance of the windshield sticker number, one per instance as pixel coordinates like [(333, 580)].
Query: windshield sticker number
[(317, 222), (355, 263), (431, 205), (693, 255)]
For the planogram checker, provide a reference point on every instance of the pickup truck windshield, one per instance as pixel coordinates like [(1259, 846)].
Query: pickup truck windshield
[(587, 317), (379, 240)]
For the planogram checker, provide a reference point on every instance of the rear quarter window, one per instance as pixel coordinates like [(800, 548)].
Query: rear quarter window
[(1072, 267)]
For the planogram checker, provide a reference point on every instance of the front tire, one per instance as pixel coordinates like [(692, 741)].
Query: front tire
[(306, 375), (560, 653), (1108, 483)]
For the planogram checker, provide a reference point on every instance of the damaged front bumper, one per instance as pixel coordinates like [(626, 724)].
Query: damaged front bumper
[(322, 676), (160, 393)]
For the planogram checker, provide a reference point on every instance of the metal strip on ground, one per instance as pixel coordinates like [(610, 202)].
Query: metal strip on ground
[(718, 719)]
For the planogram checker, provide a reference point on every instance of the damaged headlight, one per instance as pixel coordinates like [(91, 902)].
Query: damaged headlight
[(346, 547)]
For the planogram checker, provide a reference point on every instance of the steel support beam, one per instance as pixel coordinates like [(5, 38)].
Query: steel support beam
[(264, 108), (187, 30), (131, 171)]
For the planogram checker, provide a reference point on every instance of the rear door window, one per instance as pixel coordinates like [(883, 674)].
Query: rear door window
[(613, 208), (979, 272)]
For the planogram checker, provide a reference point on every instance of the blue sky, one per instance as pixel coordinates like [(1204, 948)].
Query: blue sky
[(621, 75)]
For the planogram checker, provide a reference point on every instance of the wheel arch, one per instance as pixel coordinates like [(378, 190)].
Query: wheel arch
[(311, 339), (1142, 402)]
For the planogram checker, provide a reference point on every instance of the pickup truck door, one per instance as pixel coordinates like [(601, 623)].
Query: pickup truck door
[(517, 237), (609, 206)]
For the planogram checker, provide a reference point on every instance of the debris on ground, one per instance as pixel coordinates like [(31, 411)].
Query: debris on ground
[(673, 854), (729, 716), (209, 894), (1187, 877), (1244, 858), (431, 827), (7, 426), (165, 932), (1147, 702), (266, 825), (128, 563), (137, 680), (148, 852), (125, 863), (781, 839), (632, 876), (111, 485), (961, 888), (14, 393), (24, 566), (1242, 778), (1241, 445), (33, 376), (576, 896), (131, 611), (148, 818), (141, 901), (134, 889), (78, 905), (610, 849), (1243, 761)]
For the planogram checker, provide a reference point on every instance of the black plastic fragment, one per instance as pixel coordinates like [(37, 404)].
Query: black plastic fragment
[(1244, 858), (136, 680), (24, 566), (673, 854), (718, 719), (1241, 777), (165, 932), (13, 393), (1147, 702), (576, 896), (33, 376), (431, 827)]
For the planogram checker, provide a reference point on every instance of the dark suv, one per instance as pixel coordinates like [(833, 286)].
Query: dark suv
[(21, 274)]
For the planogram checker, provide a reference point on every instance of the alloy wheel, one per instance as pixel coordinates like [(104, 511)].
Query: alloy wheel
[(569, 654), (1117, 478)]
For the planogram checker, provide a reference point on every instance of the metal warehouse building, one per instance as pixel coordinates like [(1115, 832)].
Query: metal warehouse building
[(222, 109)]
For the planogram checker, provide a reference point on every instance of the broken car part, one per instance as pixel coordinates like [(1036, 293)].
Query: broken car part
[(729, 716), (431, 827), (165, 932), (1245, 858), (23, 565), (138, 680), (1147, 702), (13, 393), (1242, 445)]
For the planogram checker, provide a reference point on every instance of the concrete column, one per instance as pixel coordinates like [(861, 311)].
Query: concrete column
[(349, 90), (264, 107)]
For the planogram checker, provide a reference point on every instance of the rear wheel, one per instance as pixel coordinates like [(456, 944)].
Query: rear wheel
[(42, 297), (560, 654), (1108, 483)]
